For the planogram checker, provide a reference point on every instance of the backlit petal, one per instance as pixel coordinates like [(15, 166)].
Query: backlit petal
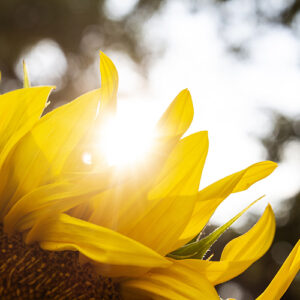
[(255, 173), (59, 197), (255, 242), (109, 83), (161, 226), (153, 220), (197, 248), (284, 277), (130, 205), (211, 197), (20, 110), (182, 171), (99, 244), (176, 187), (178, 117), (40, 155), (26, 82), (173, 283), (240, 253)]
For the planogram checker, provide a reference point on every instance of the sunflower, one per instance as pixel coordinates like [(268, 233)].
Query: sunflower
[(139, 225)]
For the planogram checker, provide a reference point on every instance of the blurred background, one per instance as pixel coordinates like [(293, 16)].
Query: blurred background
[(240, 59)]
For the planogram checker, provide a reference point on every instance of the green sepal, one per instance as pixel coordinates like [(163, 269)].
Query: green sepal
[(196, 249)]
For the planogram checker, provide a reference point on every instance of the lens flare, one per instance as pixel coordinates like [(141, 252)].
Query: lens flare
[(125, 141)]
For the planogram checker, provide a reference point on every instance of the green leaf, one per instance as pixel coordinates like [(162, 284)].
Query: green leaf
[(196, 249)]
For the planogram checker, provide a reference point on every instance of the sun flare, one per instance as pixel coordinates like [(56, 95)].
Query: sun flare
[(126, 140)]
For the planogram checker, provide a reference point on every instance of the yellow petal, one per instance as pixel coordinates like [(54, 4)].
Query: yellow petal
[(59, 197), (20, 110), (175, 189), (40, 155), (26, 78), (182, 171), (154, 220), (240, 253), (198, 248), (174, 283), (99, 244), (178, 117), (161, 226), (255, 173), (109, 83), (129, 205), (284, 277), (255, 242), (127, 202), (211, 197), (89, 143)]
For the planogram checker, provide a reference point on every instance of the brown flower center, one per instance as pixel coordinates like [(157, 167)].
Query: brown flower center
[(28, 272)]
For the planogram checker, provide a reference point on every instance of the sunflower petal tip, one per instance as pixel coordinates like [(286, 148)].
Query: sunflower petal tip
[(186, 92), (101, 53), (26, 83), (270, 209), (272, 164)]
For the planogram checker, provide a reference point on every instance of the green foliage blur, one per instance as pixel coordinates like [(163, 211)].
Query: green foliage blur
[(80, 28)]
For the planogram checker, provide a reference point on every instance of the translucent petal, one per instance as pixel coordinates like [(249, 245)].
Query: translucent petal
[(109, 83), (182, 171), (284, 277), (177, 118), (99, 244), (176, 187), (128, 205), (240, 253), (175, 282), (255, 173), (210, 197), (21, 109), (198, 248), (26, 78), (40, 155), (153, 220), (164, 223), (59, 197), (253, 243)]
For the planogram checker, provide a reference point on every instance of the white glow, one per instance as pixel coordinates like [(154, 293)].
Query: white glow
[(126, 140), (46, 63), (87, 158), (117, 10)]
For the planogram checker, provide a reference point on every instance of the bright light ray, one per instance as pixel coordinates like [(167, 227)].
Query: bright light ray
[(127, 139), (87, 158)]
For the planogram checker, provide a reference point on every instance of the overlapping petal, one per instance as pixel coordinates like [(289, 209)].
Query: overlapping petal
[(176, 188), (182, 171), (148, 219), (174, 282), (41, 153), (62, 232), (211, 197), (21, 110), (131, 200), (239, 253), (59, 196), (124, 224)]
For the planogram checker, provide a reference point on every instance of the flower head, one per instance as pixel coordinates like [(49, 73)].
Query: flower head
[(140, 223)]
